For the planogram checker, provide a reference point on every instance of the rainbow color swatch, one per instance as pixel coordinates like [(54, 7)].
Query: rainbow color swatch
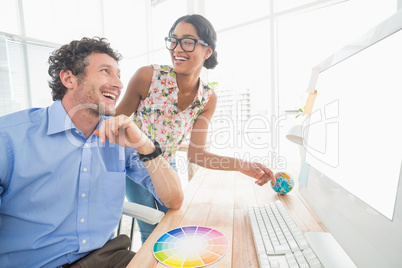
[(190, 246)]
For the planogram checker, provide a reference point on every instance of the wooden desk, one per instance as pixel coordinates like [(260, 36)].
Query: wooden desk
[(219, 200)]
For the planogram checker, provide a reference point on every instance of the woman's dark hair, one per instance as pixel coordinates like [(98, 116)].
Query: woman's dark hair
[(74, 57), (206, 32)]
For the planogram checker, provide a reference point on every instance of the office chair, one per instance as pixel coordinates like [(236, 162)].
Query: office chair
[(140, 212)]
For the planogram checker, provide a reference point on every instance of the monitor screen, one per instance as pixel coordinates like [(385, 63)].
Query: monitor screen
[(353, 145)]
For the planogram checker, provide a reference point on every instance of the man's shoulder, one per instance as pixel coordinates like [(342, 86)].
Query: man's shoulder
[(22, 118)]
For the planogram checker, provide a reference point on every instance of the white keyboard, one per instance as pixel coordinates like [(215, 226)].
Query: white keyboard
[(278, 241)]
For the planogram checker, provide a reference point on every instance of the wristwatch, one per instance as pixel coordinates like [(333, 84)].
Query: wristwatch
[(155, 154)]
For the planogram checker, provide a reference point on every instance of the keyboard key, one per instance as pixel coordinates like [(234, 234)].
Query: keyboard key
[(293, 245), (315, 263), (263, 260), (300, 259), (302, 242), (292, 263), (274, 264), (311, 258), (281, 249)]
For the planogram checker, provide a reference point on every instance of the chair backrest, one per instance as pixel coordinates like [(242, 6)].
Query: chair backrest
[(140, 212)]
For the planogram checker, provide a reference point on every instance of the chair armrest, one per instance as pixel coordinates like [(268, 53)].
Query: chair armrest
[(142, 213)]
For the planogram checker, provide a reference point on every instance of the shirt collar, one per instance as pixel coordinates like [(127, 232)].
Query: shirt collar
[(59, 121)]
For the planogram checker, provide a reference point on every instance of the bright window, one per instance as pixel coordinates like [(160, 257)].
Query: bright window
[(23, 73), (9, 17), (125, 26), (223, 14), (60, 22)]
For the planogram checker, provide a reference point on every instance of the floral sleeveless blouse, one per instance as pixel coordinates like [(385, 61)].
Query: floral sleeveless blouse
[(158, 115)]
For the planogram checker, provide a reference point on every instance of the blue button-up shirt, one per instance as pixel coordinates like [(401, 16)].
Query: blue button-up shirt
[(61, 195)]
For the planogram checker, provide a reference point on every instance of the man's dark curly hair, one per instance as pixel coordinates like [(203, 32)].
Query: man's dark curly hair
[(74, 57)]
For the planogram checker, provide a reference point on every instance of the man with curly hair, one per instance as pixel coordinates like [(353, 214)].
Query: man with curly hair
[(63, 168)]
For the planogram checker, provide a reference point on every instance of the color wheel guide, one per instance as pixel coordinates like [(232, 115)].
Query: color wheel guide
[(190, 246)]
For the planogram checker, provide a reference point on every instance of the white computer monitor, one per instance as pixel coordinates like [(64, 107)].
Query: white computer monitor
[(351, 175)]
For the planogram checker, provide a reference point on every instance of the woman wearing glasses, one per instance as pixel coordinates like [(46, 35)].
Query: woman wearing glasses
[(170, 102)]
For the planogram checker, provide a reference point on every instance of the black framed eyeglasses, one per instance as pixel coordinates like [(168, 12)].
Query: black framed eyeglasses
[(187, 44)]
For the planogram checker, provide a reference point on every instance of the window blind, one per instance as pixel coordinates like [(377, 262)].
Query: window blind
[(23, 75)]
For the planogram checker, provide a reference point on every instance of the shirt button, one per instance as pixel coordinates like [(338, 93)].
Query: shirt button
[(82, 220), (85, 169), (83, 195), (86, 145), (77, 131), (84, 241)]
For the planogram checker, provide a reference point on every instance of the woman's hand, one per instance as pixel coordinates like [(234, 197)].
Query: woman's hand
[(259, 172)]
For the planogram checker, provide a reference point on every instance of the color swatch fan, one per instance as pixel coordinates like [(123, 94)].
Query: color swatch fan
[(190, 246)]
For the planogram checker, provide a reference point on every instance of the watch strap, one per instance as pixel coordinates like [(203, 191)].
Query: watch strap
[(153, 155)]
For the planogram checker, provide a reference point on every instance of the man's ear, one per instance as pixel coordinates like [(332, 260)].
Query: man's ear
[(67, 78)]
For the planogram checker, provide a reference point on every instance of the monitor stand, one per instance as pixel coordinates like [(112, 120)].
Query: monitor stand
[(328, 251)]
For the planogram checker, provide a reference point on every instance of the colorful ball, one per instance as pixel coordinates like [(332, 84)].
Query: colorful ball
[(284, 183)]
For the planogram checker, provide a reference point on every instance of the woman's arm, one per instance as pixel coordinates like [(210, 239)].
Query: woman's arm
[(198, 155), (137, 90), (164, 178)]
